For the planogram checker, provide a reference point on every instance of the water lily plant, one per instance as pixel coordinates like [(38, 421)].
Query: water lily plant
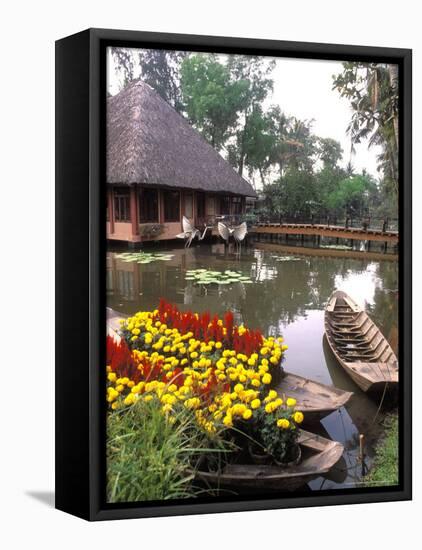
[(206, 277), (144, 257)]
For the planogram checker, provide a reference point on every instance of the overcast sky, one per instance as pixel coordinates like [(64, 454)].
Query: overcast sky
[(303, 88)]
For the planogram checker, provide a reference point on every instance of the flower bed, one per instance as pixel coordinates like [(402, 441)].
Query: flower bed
[(220, 371)]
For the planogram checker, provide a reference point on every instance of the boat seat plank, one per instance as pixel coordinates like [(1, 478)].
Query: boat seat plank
[(354, 307), (332, 304)]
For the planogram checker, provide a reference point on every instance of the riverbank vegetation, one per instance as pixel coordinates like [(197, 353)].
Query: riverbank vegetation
[(385, 468), (228, 100)]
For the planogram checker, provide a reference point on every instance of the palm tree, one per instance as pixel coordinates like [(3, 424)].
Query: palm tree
[(372, 90)]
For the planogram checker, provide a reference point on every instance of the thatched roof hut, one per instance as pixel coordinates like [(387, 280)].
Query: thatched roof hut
[(148, 142)]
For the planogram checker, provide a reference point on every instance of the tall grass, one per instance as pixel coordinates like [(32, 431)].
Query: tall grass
[(150, 459), (385, 468)]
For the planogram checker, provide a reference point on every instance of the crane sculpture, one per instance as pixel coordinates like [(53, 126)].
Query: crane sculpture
[(239, 232), (190, 232)]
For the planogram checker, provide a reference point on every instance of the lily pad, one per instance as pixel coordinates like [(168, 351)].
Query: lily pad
[(144, 257), (205, 277)]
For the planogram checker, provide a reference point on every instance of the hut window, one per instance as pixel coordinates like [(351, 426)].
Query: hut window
[(122, 205), (148, 206), (171, 206), (237, 205), (225, 205)]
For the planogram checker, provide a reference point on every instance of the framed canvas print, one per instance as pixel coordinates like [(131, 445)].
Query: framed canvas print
[(233, 274)]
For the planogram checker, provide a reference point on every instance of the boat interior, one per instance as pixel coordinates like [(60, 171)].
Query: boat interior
[(355, 336)]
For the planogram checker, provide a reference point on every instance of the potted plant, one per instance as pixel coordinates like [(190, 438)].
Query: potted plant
[(274, 432)]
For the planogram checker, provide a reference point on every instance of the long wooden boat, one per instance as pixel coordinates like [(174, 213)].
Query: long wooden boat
[(358, 344), (314, 399), (319, 456)]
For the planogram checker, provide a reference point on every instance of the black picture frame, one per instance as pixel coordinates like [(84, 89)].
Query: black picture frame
[(80, 269)]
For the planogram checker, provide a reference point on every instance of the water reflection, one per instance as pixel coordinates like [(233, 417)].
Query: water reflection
[(288, 297)]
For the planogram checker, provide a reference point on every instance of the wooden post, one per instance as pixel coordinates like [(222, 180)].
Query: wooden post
[(110, 198), (134, 210), (362, 453)]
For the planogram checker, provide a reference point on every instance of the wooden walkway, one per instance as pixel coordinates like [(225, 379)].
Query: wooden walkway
[(336, 231)]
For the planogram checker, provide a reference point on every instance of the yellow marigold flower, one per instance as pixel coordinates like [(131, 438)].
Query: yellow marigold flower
[(228, 421), (194, 354), (218, 345), (274, 360), (247, 414), (283, 423), (266, 379), (256, 403), (238, 388), (269, 408), (134, 338), (115, 405), (264, 351), (148, 398), (120, 388), (136, 331), (129, 399), (111, 376), (298, 417), (221, 377), (291, 402)]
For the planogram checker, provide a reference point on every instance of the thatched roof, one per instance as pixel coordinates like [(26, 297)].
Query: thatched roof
[(149, 142)]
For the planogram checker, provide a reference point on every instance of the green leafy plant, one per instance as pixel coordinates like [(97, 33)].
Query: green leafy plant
[(144, 257), (150, 458), (205, 277)]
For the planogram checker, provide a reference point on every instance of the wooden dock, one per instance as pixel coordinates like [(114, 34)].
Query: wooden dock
[(320, 230)]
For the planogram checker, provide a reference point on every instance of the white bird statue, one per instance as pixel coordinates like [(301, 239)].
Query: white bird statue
[(239, 232), (190, 232)]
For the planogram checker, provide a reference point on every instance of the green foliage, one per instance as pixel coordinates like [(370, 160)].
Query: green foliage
[(160, 69), (292, 194), (372, 90), (329, 151), (351, 195), (386, 464), (150, 459), (211, 98), (277, 442)]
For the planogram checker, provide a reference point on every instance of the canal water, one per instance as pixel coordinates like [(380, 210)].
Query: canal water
[(291, 287)]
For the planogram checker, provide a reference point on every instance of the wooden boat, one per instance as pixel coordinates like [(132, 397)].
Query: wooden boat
[(314, 399), (358, 344), (319, 456)]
